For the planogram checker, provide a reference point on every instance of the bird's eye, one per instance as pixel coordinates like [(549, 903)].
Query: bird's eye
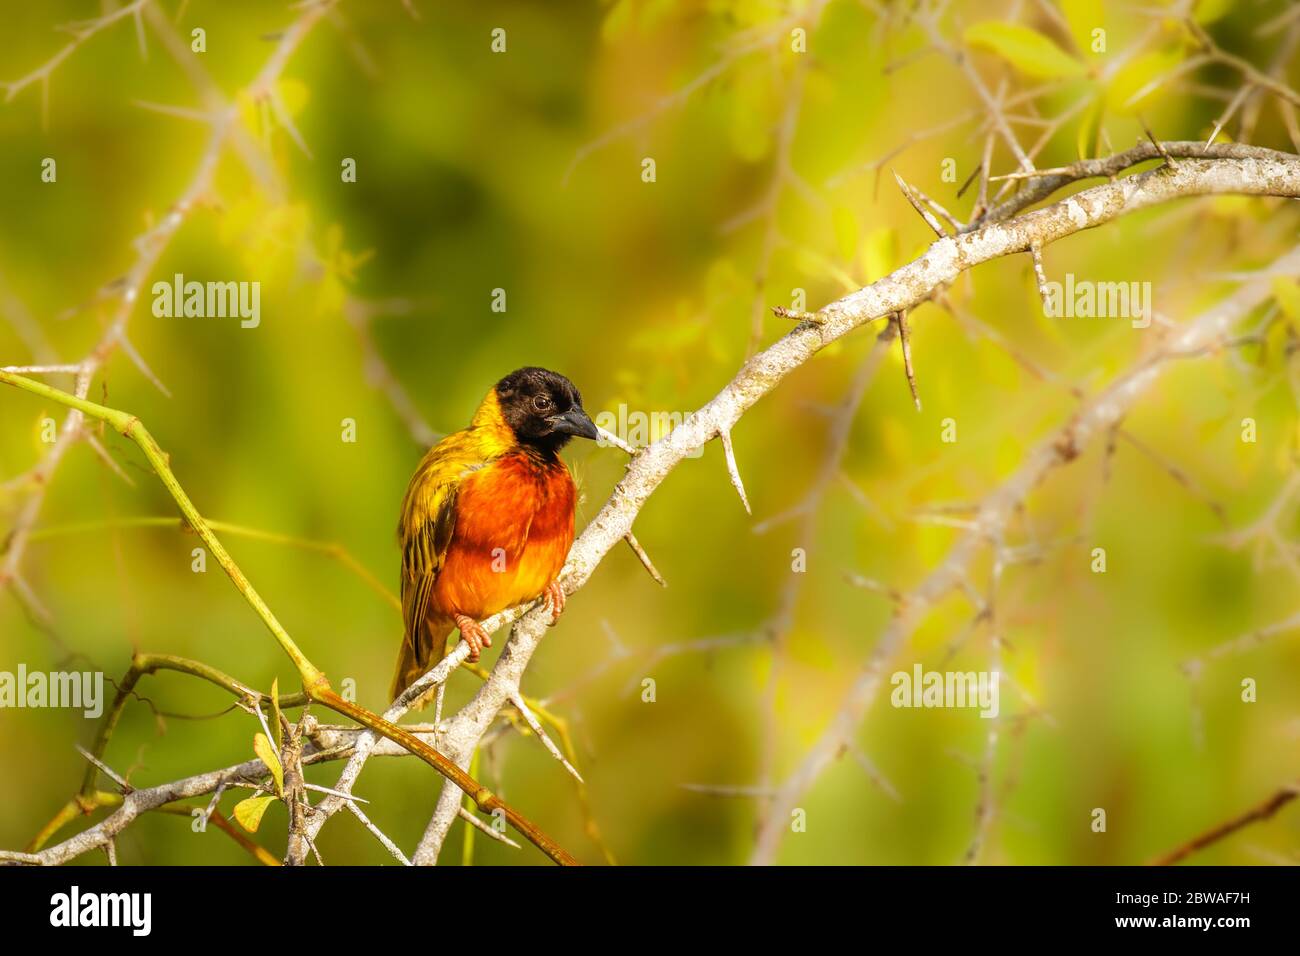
[(542, 403)]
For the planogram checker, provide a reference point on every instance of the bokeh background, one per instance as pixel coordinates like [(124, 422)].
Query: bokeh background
[(523, 171)]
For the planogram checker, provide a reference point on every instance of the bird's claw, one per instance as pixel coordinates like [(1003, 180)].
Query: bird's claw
[(473, 634), (555, 598)]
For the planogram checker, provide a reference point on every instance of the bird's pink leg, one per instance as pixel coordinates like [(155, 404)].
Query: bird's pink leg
[(555, 599), (474, 635)]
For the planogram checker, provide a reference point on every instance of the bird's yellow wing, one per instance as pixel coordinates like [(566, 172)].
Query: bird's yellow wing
[(428, 519)]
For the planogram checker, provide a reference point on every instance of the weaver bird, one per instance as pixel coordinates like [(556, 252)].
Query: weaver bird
[(488, 518)]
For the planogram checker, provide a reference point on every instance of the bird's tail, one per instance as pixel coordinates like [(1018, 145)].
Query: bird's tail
[(417, 656)]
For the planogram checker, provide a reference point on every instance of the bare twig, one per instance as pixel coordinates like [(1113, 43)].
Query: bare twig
[(1058, 449), (1261, 811)]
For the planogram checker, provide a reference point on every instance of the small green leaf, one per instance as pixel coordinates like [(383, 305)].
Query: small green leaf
[(618, 22), (1084, 16), (262, 747), (1137, 85), (1287, 293), (846, 230), (1090, 128), (1025, 49), (1207, 11), (249, 812), (753, 115), (276, 726), (879, 252), (1275, 341)]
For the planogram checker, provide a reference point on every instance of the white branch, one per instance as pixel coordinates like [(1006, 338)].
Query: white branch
[(1059, 448), (1257, 172)]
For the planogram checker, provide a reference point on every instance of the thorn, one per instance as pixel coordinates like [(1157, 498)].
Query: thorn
[(437, 706), (518, 700), (874, 775), (919, 206), (733, 471), (334, 793), (728, 790), (285, 120), (644, 558), (105, 769), (871, 584), (970, 179), (901, 319), (106, 458), (782, 312), (1160, 147), (476, 822), (1040, 274), (1228, 113), (138, 360), (180, 112)]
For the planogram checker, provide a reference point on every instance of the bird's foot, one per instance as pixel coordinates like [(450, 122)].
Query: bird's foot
[(555, 598), (473, 634)]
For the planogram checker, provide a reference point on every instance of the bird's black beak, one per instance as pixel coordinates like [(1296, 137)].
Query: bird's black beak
[(574, 422)]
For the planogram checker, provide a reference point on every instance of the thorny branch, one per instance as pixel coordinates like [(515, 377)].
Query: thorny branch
[(222, 116), (1261, 811), (1191, 169), (1092, 419), (1262, 172)]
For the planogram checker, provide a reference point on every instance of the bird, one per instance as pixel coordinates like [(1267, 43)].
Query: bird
[(487, 519)]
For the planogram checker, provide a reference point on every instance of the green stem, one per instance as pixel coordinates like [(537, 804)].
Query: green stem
[(142, 664), (134, 429), (335, 551), (467, 848)]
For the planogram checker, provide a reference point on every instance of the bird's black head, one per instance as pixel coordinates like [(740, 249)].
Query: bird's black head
[(543, 408)]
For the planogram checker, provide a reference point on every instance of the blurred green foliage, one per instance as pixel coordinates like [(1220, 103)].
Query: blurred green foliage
[(523, 171)]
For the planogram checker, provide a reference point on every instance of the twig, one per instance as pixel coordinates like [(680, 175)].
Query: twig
[(1261, 811), (1057, 450), (478, 824), (379, 834), (644, 558), (609, 438), (105, 769)]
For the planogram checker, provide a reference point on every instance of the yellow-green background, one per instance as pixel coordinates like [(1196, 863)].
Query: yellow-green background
[(638, 292)]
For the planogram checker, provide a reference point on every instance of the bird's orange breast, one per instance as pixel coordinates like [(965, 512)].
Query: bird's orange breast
[(514, 527)]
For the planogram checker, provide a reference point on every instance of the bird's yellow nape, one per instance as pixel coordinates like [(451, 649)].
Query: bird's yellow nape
[(490, 425)]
